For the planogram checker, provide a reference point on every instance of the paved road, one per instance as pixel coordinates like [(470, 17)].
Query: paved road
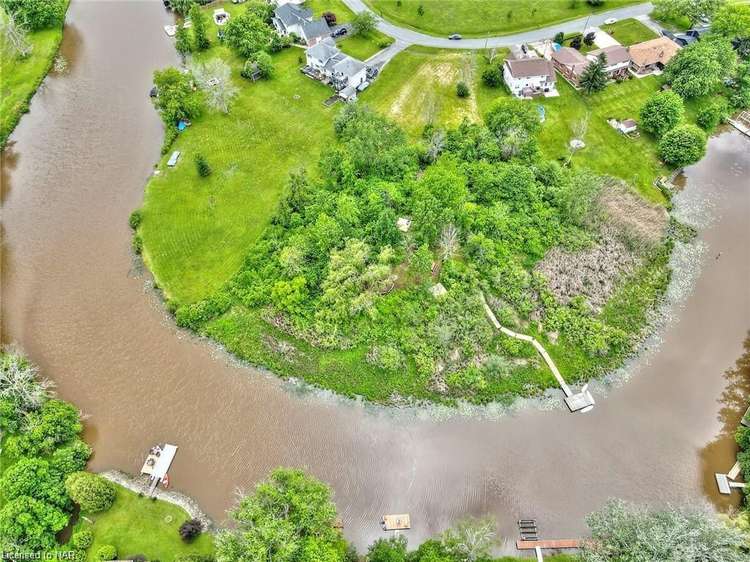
[(411, 37)]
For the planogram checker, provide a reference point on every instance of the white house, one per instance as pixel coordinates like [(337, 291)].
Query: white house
[(527, 78), (290, 18), (346, 74)]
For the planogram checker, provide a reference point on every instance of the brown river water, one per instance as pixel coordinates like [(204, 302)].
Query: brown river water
[(77, 302)]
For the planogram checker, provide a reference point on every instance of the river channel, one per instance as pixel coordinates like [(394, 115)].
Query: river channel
[(78, 303)]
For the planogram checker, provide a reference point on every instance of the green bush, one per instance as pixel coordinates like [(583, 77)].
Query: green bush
[(137, 243), (462, 90), (81, 540), (201, 164), (72, 457), (492, 76), (661, 112), (136, 217), (92, 492), (683, 145), (106, 552), (711, 115)]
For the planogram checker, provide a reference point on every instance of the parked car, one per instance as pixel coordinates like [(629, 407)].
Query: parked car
[(455, 37), (610, 21), (341, 31)]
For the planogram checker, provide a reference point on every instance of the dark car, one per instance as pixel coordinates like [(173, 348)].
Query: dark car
[(455, 37)]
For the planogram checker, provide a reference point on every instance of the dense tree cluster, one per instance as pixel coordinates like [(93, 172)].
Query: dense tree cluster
[(289, 518), (33, 15), (627, 532), (700, 68), (41, 444), (335, 270)]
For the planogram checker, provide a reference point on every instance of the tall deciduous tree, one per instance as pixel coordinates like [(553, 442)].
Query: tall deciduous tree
[(661, 112), (29, 524), (288, 518), (364, 22), (629, 533), (33, 15), (693, 10), (215, 79), (182, 7), (14, 35), (700, 68), (176, 99), (248, 33), (470, 539)]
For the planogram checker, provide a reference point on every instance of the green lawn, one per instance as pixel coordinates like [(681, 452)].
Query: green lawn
[(478, 18), (606, 151), (196, 231), (343, 13), (20, 78), (630, 31), (418, 88), (139, 525), (363, 45)]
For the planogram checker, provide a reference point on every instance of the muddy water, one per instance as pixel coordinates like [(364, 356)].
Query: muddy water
[(75, 301)]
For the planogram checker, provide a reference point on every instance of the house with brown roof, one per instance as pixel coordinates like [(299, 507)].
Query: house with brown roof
[(570, 63), (652, 56), (617, 60), (527, 78)]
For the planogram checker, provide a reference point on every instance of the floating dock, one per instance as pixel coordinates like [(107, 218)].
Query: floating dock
[(157, 464), (399, 522)]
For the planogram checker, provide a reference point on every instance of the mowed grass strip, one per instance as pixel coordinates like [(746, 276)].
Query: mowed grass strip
[(630, 31), (196, 231), (20, 78), (479, 18), (139, 525), (418, 88), (364, 45)]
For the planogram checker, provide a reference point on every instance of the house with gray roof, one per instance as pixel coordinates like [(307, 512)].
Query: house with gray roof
[(617, 60), (327, 63), (527, 78), (291, 18)]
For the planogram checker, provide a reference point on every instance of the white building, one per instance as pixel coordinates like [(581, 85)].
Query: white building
[(527, 78), (292, 19), (346, 74)]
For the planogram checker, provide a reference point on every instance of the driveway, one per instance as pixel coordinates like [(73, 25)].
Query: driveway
[(411, 37)]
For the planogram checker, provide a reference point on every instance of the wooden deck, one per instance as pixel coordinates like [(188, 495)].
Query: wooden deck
[(399, 522), (553, 543)]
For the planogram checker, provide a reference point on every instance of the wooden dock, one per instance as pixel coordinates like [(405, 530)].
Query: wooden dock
[(548, 544), (399, 522), (742, 122), (580, 402), (157, 464)]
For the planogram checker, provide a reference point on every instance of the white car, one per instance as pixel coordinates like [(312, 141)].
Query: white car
[(610, 21)]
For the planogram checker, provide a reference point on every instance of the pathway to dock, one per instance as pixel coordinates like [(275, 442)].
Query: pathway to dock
[(538, 346)]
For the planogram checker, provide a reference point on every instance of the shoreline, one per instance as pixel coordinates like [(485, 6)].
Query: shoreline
[(140, 485), (25, 104)]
